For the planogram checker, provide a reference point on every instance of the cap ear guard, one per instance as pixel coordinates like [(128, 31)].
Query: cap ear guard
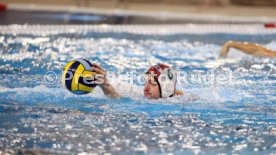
[(167, 81)]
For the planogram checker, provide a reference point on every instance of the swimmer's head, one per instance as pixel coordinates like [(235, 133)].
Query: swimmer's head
[(160, 81)]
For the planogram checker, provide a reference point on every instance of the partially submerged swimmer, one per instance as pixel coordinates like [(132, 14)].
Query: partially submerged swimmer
[(161, 79), (160, 82)]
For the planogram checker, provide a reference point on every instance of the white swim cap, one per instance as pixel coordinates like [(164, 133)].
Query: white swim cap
[(165, 77)]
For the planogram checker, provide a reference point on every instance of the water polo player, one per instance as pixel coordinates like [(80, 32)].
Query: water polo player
[(160, 82)]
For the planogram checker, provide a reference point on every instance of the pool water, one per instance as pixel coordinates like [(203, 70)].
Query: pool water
[(39, 115)]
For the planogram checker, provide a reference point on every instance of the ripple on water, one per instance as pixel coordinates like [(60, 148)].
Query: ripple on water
[(236, 117)]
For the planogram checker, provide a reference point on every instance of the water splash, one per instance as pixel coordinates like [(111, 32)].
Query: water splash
[(237, 117)]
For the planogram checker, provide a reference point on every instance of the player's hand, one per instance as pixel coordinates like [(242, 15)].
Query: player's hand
[(100, 77), (224, 51)]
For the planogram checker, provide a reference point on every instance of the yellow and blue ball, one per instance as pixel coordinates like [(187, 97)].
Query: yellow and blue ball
[(78, 77)]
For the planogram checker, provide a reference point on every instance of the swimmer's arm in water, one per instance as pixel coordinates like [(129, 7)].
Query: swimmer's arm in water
[(248, 48), (179, 93), (109, 91), (106, 87), (190, 97)]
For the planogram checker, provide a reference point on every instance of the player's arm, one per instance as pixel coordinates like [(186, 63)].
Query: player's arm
[(248, 48), (101, 80)]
